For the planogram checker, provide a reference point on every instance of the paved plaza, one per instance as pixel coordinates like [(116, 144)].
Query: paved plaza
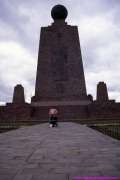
[(42, 153)]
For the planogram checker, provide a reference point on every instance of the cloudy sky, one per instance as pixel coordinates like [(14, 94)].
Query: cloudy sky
[(99, 30)]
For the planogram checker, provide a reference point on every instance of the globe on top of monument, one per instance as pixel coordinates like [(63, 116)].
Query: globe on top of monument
[(59, 12)]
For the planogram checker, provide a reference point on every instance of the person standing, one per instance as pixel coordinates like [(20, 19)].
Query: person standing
[(53, 119)]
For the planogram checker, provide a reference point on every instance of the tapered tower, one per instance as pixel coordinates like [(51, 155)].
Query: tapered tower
[(60, 74)]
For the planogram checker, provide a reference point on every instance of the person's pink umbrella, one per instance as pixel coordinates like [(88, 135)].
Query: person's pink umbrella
[(53, 111)]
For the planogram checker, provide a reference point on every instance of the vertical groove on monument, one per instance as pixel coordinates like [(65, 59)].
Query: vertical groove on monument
[(102, 93), (60, 74), (18, 95)]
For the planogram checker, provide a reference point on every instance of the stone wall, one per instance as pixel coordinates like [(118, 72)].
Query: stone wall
[(15, 112), (110, 110), (64, 112)]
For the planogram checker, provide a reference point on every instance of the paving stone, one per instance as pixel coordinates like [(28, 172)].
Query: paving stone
[(23, 177), (6, 177), (50, 177)]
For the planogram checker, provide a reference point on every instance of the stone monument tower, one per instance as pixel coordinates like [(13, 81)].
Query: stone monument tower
[(18, 95), (102, 93), (60, 75)]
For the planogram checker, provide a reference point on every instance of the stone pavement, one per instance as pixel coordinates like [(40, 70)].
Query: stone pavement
[(42, 153)]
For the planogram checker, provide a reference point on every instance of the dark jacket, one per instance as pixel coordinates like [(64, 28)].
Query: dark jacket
[(52, 119)]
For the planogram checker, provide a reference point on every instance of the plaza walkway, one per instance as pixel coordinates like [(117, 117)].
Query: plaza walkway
[(42, 153)]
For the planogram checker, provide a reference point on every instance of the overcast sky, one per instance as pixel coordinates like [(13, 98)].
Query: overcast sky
[(99, 31)]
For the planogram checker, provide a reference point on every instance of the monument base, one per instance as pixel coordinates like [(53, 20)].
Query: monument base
[(66, 112), (66, 109), (60, 103)]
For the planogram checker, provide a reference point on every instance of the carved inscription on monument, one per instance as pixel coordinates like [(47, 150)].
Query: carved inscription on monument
[(59, 63), (59, 68)]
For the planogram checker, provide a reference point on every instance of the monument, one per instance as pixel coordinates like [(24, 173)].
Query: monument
[(102, 94), (18, 95), (60, 75), (60, 80)]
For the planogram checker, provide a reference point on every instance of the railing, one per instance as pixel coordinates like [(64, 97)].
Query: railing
[(110, 127), (11, 125), (112, 130), (95, 121)]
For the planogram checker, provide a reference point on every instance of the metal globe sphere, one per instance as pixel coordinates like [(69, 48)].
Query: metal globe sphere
[(59, 12)]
